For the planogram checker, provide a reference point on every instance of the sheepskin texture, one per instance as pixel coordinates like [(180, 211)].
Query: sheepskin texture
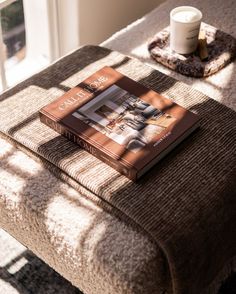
[(91, 248), (45, 225), (22, 272), (133, 41)]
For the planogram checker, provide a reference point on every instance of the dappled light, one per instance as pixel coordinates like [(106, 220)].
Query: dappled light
[(72, 223), (10, 181), (22, 162), (170, 231), (5, 148), (77, 232)]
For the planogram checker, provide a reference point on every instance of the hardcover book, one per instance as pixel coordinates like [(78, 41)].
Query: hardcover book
[(120, 121)]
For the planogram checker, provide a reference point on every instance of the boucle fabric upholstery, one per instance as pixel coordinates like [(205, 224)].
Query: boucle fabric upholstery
[(91, 248), (178, 210)]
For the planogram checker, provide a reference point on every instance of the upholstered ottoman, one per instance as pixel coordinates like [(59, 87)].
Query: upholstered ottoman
[(171, 232)]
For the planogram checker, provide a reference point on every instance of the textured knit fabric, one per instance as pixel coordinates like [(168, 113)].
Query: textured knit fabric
[(186, 203)]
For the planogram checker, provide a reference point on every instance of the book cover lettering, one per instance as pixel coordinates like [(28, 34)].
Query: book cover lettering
[(120, 121)]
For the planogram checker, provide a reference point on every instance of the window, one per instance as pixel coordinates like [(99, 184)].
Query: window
[(34, 34), (6, 26)]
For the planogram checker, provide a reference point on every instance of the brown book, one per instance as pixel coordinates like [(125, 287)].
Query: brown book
[(120, 121)]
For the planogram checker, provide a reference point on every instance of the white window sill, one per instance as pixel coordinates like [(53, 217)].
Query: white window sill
[(18, 72)]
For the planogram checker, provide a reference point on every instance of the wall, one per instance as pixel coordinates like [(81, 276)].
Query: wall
[(52, 27), (99, 19), (37, 33), (55, 27)]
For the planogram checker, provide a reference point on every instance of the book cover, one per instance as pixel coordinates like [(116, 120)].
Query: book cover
[(120, 121)]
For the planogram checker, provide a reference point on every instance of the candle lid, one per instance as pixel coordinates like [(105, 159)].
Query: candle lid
[(186, 14)]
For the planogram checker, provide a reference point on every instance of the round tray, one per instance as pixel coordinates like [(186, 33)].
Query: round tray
[(221, 50)]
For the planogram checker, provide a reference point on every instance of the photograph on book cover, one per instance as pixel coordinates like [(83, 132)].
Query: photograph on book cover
[(124, 118)]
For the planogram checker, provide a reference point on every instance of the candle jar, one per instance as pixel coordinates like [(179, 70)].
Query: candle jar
[(185, 24)]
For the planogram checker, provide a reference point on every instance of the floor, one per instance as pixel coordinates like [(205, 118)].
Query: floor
[(21, 272)]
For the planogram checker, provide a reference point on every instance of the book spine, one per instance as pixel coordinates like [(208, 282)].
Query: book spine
[(130, 173)]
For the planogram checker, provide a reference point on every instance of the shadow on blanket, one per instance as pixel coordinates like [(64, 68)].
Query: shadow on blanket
[(188, 208)]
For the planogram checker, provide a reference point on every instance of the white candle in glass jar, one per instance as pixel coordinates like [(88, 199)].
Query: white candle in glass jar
[(185, 24)]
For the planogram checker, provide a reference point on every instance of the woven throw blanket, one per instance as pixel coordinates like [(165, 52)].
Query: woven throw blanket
[(186, 203)]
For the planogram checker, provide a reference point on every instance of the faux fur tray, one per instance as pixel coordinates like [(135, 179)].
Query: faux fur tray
[(221, 50)]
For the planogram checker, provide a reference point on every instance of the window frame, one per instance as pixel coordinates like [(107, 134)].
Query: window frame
[(52, 30), (3, 4)]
